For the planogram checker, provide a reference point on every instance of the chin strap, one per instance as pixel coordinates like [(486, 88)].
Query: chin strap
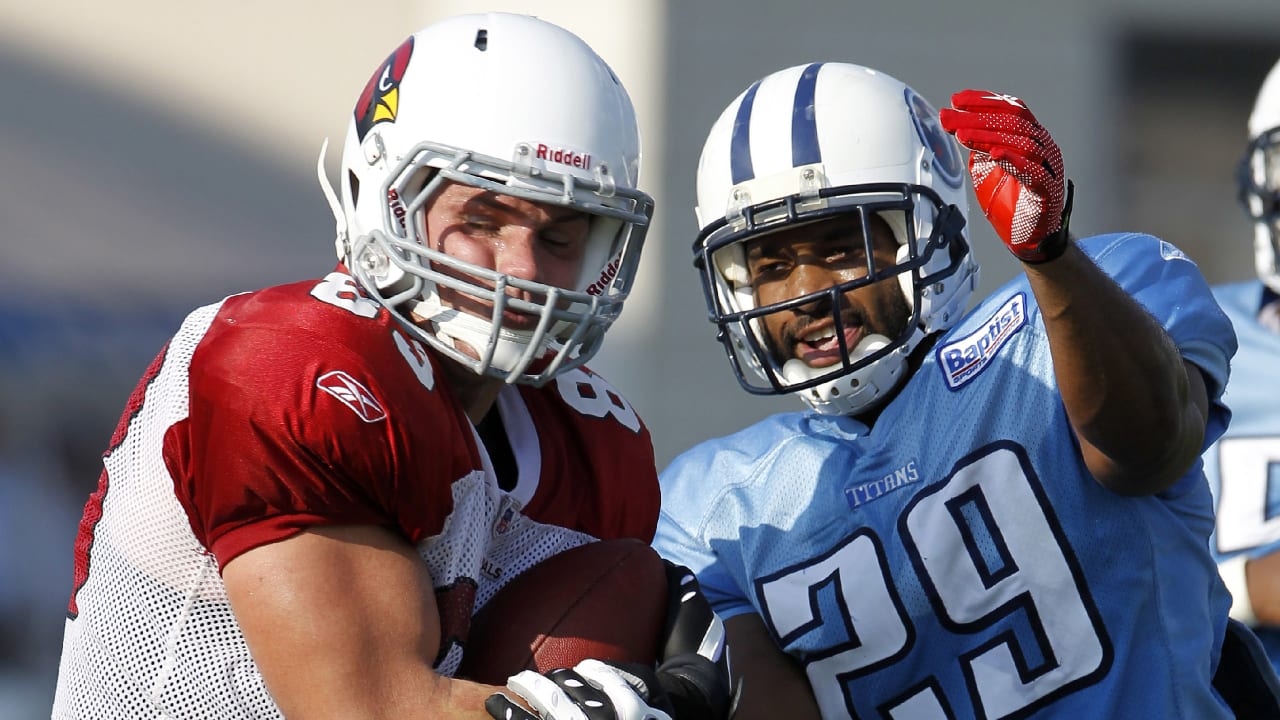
[(341, 246)]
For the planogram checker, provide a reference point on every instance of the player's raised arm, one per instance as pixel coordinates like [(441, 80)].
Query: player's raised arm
[(1137, 407)]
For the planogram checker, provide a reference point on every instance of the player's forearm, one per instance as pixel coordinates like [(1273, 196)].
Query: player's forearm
[(1138, 415), (773, 684), (459, 699), (342, 623), (427, 698)]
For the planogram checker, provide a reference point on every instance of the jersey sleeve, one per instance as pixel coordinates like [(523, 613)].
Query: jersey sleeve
[(267, 452), (677, 538), (1171, 287)]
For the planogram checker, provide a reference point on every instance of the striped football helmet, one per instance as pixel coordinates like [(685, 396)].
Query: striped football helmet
[(1260, 179), (811, 142)]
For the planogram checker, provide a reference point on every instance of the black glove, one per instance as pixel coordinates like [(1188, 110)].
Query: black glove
[(694, 670)]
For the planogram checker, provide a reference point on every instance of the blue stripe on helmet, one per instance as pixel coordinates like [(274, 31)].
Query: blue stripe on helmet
[(804, 125), (740, 167)]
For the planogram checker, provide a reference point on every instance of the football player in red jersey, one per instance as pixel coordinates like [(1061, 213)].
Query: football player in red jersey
[(315, 485)]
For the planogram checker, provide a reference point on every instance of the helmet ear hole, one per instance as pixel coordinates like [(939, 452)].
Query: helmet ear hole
[(354, 181)]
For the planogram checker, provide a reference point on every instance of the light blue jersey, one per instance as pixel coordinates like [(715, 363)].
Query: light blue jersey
[(1243, 467), (958, 561)]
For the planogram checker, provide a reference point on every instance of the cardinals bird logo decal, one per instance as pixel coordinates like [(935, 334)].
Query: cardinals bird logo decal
[(380, 100)]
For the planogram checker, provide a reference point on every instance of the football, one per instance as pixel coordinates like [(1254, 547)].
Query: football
[(605, 600)]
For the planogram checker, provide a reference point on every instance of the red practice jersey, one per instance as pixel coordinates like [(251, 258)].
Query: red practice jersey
[(306, 405)]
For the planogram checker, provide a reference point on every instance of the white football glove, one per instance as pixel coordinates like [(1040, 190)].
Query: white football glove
[(592, 690)]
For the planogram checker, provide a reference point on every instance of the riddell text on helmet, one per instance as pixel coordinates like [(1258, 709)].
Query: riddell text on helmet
[(609, 273), (562, 156)]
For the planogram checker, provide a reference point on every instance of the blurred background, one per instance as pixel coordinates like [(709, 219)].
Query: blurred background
[(157, 156)]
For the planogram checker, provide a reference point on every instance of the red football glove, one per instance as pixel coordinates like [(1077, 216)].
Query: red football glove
[(1017, 171)]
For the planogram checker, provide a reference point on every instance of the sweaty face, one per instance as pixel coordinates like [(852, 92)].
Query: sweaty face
[(810, 258), (522, 239)]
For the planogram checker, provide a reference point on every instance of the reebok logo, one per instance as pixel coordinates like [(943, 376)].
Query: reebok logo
[(1006, 98), (353, 395), (606, 276)]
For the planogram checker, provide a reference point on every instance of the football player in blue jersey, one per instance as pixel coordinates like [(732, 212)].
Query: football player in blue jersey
[(992, 514), (1245, 462)]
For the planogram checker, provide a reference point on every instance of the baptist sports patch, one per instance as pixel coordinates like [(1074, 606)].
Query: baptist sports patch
[(963, 358)]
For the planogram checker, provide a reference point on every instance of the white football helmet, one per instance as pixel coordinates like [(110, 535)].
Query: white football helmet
[(1260, 179), (517, 106), (810, 142)]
